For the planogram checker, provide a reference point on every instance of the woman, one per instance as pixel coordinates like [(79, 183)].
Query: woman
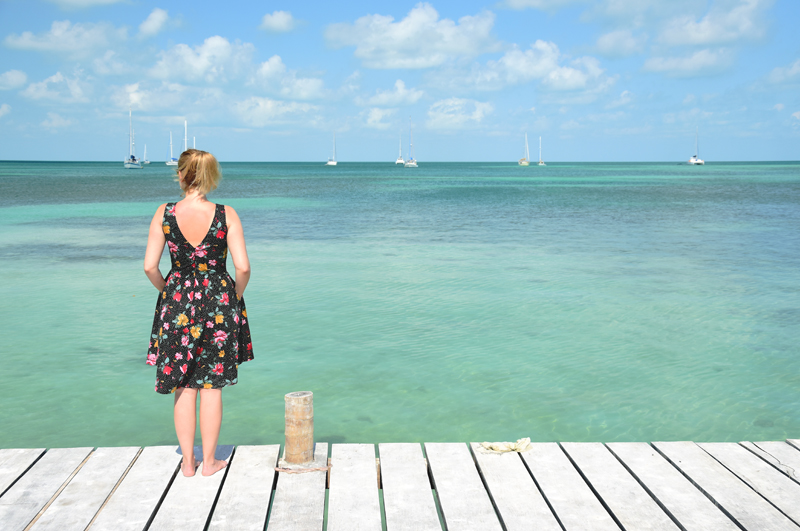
[(200, 331)]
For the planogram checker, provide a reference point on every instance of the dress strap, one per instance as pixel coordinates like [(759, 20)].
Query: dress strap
[(221, 215)]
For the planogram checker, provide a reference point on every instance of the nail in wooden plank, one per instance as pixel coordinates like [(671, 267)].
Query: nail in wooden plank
[(676, 494), (516, 496), (763, 478), (571, 498), (299, 503), (189, 500), (779, 454), (78, 503), (15, 461), (353, 503), (633, 507), (407, 497), (740, 501), (136, 497), (23, 501), (465, 503), (244, 500)]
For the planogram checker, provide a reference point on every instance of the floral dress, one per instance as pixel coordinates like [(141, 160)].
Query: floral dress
[(200, 332)]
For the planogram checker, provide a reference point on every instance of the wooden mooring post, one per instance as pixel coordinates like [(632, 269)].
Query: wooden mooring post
[(299, 427)]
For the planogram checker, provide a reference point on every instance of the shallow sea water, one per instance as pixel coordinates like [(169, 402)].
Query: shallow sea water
[(454, 302)]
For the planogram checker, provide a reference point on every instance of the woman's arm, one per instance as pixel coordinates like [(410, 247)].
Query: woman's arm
[(238, 250), (155, 247)]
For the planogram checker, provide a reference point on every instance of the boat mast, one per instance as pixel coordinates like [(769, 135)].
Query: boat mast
[(411, 139), (334, 145), (130, 132), (540, 149), (400, 150), (170, 145), (696, 151)]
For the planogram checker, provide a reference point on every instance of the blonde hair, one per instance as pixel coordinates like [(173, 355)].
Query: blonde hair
[(200, 171)]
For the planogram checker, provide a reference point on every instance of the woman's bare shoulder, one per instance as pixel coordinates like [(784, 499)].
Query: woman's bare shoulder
[(230, 213)]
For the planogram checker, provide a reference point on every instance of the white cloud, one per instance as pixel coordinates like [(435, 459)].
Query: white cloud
[(781, 74), (690, 116), (154, 22), (399, 96), (723, 24), (57, 88), (259, 112), (76, 40), (77, 4), (690, 98), (570, 125), (420, 40), (273, 75), (278, 22), (12, 79), (108, 64), (4, 109), (55, 121), (625, 98), (454, 113), (778, 106), (796, 115), (700, 63), (374, 117), (214, 60), (621, 43), (577, 76), (545, 5), (167, 96)]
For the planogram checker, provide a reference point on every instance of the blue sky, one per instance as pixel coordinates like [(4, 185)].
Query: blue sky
[(599, 80)]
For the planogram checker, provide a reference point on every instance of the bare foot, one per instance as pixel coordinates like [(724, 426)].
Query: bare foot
[(213, 466), (188, 467)]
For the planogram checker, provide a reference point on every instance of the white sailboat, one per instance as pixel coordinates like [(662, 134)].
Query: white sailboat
[(411, 162), (696, 160), (172, 161), (400, 152), (541, 162), (332, 160), (144, 158), (132, 163), (524, 161)]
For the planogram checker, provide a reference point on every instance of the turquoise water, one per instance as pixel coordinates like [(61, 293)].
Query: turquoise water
[(454, 302)]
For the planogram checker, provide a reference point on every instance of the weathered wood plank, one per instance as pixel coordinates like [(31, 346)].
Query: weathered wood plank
[(15, 461), (674, 492), (353, 502), (189, 500), (623, 495), (762, 477), (515, 495), (779, 454), (79, 502), (465, 503), (299, 499), (245, 496), (740, 502), (794, 442), (136, 497), (23, 501), (407, 495), (573, 501)]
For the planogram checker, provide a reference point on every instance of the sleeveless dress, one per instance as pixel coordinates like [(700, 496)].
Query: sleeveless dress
[(200, 332)]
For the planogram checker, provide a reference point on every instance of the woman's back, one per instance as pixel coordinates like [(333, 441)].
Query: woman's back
[(194, 218)]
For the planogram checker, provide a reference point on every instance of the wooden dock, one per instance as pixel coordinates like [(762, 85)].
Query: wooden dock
[(410, 487)]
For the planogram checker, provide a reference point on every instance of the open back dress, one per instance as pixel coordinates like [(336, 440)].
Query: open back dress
[(200, 332)]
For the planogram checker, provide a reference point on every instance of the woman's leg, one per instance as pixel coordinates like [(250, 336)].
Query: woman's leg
[(185, 421), (210, 424)]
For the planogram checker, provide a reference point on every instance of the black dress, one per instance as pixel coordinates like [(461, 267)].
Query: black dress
[(200, 332)]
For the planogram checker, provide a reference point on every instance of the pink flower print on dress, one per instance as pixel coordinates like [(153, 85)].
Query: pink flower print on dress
[(178, 356), (197, 295), (172, 247), (220, 234), (151, 359), (195, 282), (218, 368), (209, 324), (205, 280), (183, 368), (166, 326), (187, 283), (225, 299), (190, 295), (177, 296), (219, 337), (167, 369), (212, 262), (236, 318), (171, 210), (185, 341)]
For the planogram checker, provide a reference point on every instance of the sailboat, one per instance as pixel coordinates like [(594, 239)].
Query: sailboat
[(695, 160), (411, 162), (332, 160), (144, 158), (400, 153), (172, 161), (524, 161), (132, 162), (541, 162)]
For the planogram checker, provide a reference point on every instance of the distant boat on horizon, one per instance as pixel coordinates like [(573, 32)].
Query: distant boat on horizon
[(400, 153), (541, 162), (524, 161), (696, 160), (332, 160), (171, 161), (411, 162), (144, 158), (131, 163)]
